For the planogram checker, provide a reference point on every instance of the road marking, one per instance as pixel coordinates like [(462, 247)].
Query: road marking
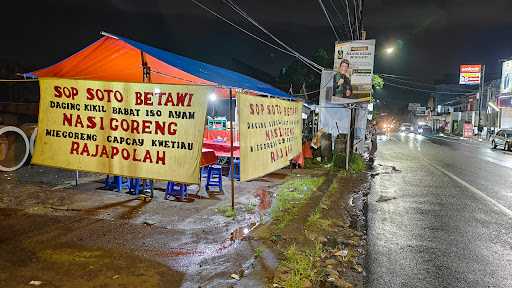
[(453, 141), (497, 205)]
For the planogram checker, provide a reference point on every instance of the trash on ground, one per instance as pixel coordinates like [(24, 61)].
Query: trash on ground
[(383, 198)]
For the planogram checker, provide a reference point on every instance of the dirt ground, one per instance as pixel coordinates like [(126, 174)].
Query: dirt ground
[(56, 234), (330, 229), (84, 236)]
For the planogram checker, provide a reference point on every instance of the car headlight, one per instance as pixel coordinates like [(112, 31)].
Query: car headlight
[(402, 128), (420, 130)]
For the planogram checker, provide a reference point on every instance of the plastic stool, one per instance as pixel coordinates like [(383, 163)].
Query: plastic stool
[(214, 178), (117, 183), (176, 190), (141, 185), (109, 182), (204, 171), (236, 167)]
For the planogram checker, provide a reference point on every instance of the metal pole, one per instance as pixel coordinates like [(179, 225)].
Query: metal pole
[(231, 150), (76, 178)]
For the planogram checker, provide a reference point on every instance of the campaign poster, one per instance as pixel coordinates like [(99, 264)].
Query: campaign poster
[(353, 66)]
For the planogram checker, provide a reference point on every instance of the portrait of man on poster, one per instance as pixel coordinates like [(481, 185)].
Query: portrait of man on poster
[(342, 83)]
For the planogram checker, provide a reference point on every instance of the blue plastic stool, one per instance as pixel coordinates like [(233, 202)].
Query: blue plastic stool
[(236, 170), (138, 185), (109, 182), (117, 183), (176, 190), (214, 178)]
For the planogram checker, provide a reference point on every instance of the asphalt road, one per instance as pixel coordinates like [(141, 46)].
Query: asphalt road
[(440, 214)]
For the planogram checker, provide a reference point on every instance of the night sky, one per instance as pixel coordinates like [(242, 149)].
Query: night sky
[(434, 36)]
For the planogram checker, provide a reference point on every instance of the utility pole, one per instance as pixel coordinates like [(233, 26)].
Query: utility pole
[(481, 94)]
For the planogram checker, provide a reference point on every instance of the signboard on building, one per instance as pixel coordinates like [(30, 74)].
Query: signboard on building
[(504, 102), (470, 74), (421, 111), (506, 78), (467, 130), (353, 64), (413, 106)]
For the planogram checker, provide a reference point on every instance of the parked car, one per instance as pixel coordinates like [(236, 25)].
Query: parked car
[(503, 138)]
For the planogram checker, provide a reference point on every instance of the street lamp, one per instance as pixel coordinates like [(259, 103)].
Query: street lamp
[(389, 50)]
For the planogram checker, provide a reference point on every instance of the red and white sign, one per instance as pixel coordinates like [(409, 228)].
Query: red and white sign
[(468, 130), (470, 74)]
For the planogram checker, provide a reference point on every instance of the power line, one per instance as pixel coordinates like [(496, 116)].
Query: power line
[(307, 93), (427, 91), (337, 12), (328, 19), (247, 17), (242, 29), (418, 83), (349, 21)]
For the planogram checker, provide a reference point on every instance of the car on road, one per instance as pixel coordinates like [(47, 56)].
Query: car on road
[(503, 138), (424, 130), (406, 128)]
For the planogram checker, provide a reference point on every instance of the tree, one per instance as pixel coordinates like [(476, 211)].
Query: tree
[(297, 73), (377, 82)]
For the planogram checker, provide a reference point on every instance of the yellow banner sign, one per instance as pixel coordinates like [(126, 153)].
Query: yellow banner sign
[(270, 134), (139, 130)]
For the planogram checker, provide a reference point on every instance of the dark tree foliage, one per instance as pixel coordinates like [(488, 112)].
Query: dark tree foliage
[(297, 73)]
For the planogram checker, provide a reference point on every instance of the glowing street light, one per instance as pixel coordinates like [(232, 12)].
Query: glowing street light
[(389, 50), (212, 97)]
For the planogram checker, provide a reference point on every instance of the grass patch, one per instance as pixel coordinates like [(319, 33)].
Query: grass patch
[(356, 164), (312, 163), (250, 207), (290, 197), (72, 256), (316, 223), (258, 252), (227, 212), (301, 266)]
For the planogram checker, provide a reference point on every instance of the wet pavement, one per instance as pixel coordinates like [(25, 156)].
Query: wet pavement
[(63, 235), (439, 214)]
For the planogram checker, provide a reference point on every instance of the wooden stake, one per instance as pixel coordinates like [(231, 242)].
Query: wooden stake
[(231, 150)]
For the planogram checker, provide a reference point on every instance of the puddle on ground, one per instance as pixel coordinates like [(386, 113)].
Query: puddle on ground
[(239, 234)]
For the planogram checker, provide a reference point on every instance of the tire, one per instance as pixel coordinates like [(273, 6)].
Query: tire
[(493, 145)]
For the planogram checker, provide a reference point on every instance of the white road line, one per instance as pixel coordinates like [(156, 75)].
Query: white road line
[(453, 141), (496, 205)]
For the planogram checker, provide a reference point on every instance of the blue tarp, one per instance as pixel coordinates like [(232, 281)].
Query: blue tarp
[(220, 76)]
